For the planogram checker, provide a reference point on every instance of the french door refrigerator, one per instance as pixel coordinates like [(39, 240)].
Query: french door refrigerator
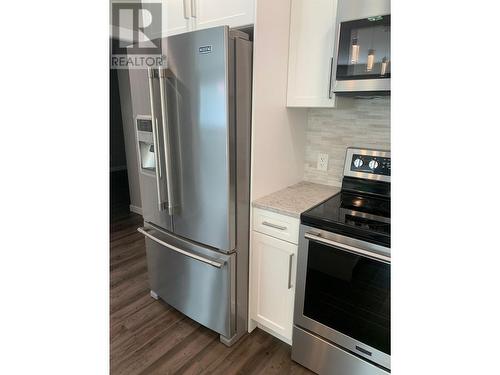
[(192, 121)]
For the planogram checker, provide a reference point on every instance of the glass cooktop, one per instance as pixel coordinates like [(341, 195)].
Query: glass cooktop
[(355, 215)]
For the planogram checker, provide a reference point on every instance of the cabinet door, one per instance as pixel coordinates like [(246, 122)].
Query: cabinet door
[(273, 283), (311, 64), (234, 13), (177, 16)]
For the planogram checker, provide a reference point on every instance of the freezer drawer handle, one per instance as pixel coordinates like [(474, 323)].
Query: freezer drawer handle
[(276, 226), (194, 256), (350, 249)]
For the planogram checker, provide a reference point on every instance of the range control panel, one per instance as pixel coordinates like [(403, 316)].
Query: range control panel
[(371, 164)]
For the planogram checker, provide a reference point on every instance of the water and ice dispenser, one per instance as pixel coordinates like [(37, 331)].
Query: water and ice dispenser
[(146, 144)]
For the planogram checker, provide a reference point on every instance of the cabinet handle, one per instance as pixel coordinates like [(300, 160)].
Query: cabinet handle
[(193, 8), (275, 226), (330, 79), (185, 8), (290, 271)]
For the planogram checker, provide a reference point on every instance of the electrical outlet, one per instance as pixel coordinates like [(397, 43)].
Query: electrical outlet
[(322, 162)]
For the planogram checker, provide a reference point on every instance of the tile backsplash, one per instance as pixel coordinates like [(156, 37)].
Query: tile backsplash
[(363, 123)]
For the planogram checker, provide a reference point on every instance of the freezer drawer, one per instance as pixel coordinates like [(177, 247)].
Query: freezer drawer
[(197, 281)]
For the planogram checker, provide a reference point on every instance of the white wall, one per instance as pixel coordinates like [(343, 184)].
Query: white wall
[(278, 132)]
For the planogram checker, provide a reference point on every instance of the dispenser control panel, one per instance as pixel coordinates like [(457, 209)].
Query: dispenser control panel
[(144, 125)]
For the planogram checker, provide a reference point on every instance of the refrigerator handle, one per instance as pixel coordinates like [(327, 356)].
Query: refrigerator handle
[(166, 140), (158, 166)]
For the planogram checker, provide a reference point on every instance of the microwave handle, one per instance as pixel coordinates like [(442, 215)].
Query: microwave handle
[(350, 249), (330, 93)]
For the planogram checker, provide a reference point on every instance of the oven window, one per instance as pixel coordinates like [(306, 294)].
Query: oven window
[(364, 49), (350, 294)]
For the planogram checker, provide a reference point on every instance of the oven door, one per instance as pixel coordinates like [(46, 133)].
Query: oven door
[(343, 292)]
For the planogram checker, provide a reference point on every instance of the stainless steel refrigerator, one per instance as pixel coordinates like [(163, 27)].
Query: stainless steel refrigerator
[(193, 120)]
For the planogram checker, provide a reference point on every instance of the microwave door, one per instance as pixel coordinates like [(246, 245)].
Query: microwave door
[(364, 56), (198, 100)]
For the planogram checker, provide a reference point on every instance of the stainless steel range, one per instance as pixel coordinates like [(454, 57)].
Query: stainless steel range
[(193, 140), (342, 301)]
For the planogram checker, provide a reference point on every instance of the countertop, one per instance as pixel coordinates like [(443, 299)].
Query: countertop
[(295, 199)]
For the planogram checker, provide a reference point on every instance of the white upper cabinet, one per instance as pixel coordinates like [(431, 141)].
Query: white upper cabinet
[(311, 60), (187, 15), (235, 13), (177, 16)]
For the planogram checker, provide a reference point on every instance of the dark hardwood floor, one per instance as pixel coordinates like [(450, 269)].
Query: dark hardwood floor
[(150, 337)]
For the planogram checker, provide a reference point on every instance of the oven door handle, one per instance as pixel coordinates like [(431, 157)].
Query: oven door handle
[(350, 249)]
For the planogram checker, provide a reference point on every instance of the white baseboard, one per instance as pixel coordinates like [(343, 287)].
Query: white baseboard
[(137, 210)]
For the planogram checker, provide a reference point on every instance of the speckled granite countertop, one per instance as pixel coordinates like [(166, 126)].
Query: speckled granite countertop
[(295, 199)]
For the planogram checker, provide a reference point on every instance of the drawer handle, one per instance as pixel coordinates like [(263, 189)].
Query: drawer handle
[(275, 226), (174, 248)]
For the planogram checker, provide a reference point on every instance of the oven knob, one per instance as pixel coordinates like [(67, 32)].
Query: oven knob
[(373, 164), (358, 163)]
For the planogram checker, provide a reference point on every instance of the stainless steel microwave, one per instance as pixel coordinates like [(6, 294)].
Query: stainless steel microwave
[(363, 62)]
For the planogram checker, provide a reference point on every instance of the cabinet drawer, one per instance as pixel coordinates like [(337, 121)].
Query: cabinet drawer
[(276, 225)]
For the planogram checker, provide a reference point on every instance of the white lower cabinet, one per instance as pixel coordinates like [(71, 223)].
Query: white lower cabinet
[(272, 284)]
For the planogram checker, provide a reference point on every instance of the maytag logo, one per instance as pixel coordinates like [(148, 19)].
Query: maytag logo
[(205, 49)]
